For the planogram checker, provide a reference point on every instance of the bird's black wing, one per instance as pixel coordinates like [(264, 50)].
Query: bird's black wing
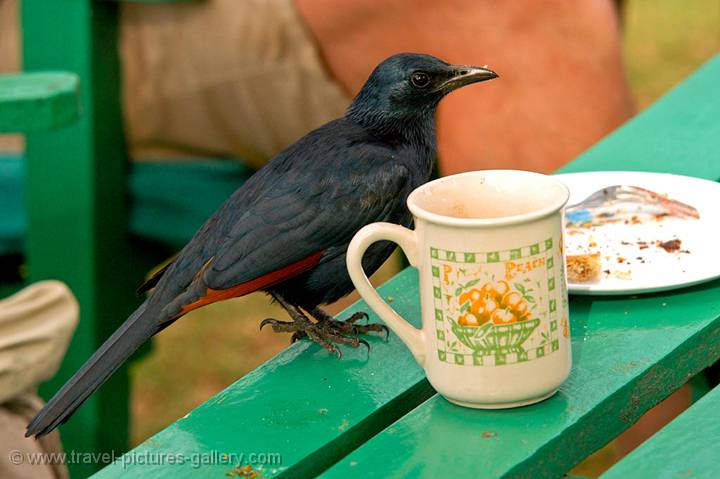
[(310, 210)]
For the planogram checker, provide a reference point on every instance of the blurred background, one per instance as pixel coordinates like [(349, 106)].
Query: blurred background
[(661, 43)]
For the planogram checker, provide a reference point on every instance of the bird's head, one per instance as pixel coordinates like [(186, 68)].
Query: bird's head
[(407, 87)]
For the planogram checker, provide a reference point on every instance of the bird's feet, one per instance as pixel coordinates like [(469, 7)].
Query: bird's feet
[(327, 331), (350, 326)]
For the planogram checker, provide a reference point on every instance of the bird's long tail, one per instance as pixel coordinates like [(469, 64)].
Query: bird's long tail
[(137, 329)]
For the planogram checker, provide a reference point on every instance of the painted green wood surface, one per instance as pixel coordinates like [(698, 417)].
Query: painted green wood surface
[(38, 101), (629, 354), (685, 448), (76, 195), (304, 404)]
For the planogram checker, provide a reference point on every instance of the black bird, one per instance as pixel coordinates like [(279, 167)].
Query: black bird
[(287, 229)]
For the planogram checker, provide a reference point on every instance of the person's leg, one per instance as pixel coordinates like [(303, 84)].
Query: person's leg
[(36, 325), (25, 457), (561, 85)]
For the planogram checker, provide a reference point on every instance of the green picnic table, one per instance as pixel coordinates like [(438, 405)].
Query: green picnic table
[(306, 414)]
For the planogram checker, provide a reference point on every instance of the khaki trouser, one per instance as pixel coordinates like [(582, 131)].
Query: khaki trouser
[(36, 325)]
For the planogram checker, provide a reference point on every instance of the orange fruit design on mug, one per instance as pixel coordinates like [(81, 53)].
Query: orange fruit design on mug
[(495, 302)]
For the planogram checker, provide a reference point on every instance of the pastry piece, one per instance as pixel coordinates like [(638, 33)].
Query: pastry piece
[(583, 268)]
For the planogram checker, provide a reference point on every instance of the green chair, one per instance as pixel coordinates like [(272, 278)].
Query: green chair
[(75, 190)]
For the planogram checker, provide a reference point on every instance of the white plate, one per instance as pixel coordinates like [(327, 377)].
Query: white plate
[(632, 261)]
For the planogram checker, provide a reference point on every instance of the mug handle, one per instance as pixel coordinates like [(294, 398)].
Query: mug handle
[(407, 240)]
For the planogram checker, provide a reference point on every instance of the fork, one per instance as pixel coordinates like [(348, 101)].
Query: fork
[(611, 195)]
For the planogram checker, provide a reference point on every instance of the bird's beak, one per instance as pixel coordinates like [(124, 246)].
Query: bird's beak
[(465, 75)]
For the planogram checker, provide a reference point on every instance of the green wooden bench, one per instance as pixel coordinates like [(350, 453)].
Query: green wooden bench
[(306, 414)]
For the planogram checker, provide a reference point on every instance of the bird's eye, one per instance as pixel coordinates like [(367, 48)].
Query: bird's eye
[(420, 79)]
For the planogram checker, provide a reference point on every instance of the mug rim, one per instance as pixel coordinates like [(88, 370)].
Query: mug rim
[(436, 218)]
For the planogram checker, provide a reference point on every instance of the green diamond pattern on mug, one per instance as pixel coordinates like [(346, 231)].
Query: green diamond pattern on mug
[(495, 307)]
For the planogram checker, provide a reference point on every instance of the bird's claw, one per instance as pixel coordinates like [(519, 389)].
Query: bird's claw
[(328, 331), (364, 343), (279, 326), (372, 327), (349, 325), (386, 330), (357, 316)]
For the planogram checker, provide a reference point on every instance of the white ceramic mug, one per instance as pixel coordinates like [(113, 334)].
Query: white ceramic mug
[(493, 294)]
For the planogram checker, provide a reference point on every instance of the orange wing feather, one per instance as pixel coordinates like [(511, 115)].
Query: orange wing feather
[(262, 282)]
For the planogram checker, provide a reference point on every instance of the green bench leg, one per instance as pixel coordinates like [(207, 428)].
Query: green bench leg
[(76, 204)]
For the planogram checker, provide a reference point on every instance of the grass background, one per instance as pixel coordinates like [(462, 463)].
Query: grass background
[(663, 42)]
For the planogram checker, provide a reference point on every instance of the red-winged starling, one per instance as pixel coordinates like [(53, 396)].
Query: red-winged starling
[(286, 230)]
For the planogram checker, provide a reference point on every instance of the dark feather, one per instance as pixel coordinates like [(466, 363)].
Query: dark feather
[(152, 281)]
